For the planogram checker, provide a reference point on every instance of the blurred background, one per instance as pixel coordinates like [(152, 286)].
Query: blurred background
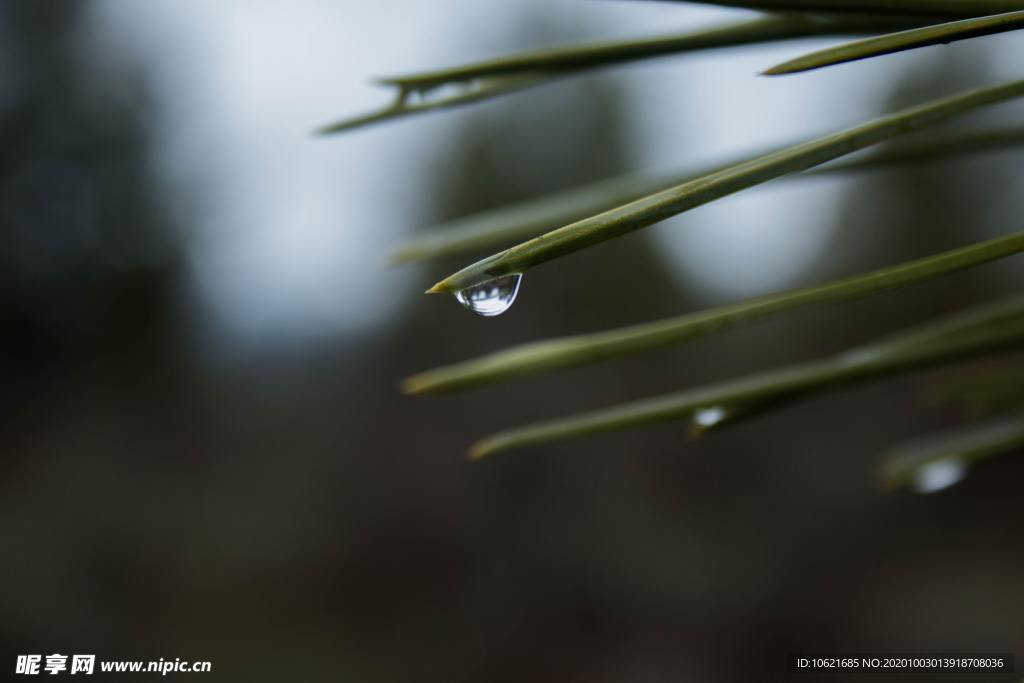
[(205, 454)]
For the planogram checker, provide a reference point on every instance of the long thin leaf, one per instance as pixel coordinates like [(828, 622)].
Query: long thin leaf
[(657, 207), (980, 331), (530, 218), (606, 53), (937, 8), (931, 464), (584, 349), (508, 224), (481, 90), (904, 40), (929, 149), (504, 75)]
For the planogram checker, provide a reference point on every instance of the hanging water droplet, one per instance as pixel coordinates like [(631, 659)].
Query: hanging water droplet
[(401, 97), (938, 475), (491, 298), (435, 93), (706, 418)]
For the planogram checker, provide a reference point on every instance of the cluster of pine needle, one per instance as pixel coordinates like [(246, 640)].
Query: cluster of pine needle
[(555, 226)]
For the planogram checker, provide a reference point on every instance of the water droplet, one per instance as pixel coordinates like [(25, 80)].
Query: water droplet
[(491, 298), (435, 93), (705, 418), (401, 97), (938, 475)]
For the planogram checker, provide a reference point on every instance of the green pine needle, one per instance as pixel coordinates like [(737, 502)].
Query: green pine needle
[(508, 224), (504, 75), (481, 90), (907, 466), (977, 332), (579, 350), (934, 8), (689, 195), (559, 59), (905, 40)]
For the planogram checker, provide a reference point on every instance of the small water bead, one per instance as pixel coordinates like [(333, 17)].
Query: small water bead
[(706, 418), (938, 475), (436, 93), (491, 298)]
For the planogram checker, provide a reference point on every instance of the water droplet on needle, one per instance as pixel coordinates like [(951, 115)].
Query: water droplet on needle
[(938, 475), (491, 298), (706, 418)]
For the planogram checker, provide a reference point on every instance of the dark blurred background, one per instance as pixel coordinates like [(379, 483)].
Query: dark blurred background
[(179, 485)]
